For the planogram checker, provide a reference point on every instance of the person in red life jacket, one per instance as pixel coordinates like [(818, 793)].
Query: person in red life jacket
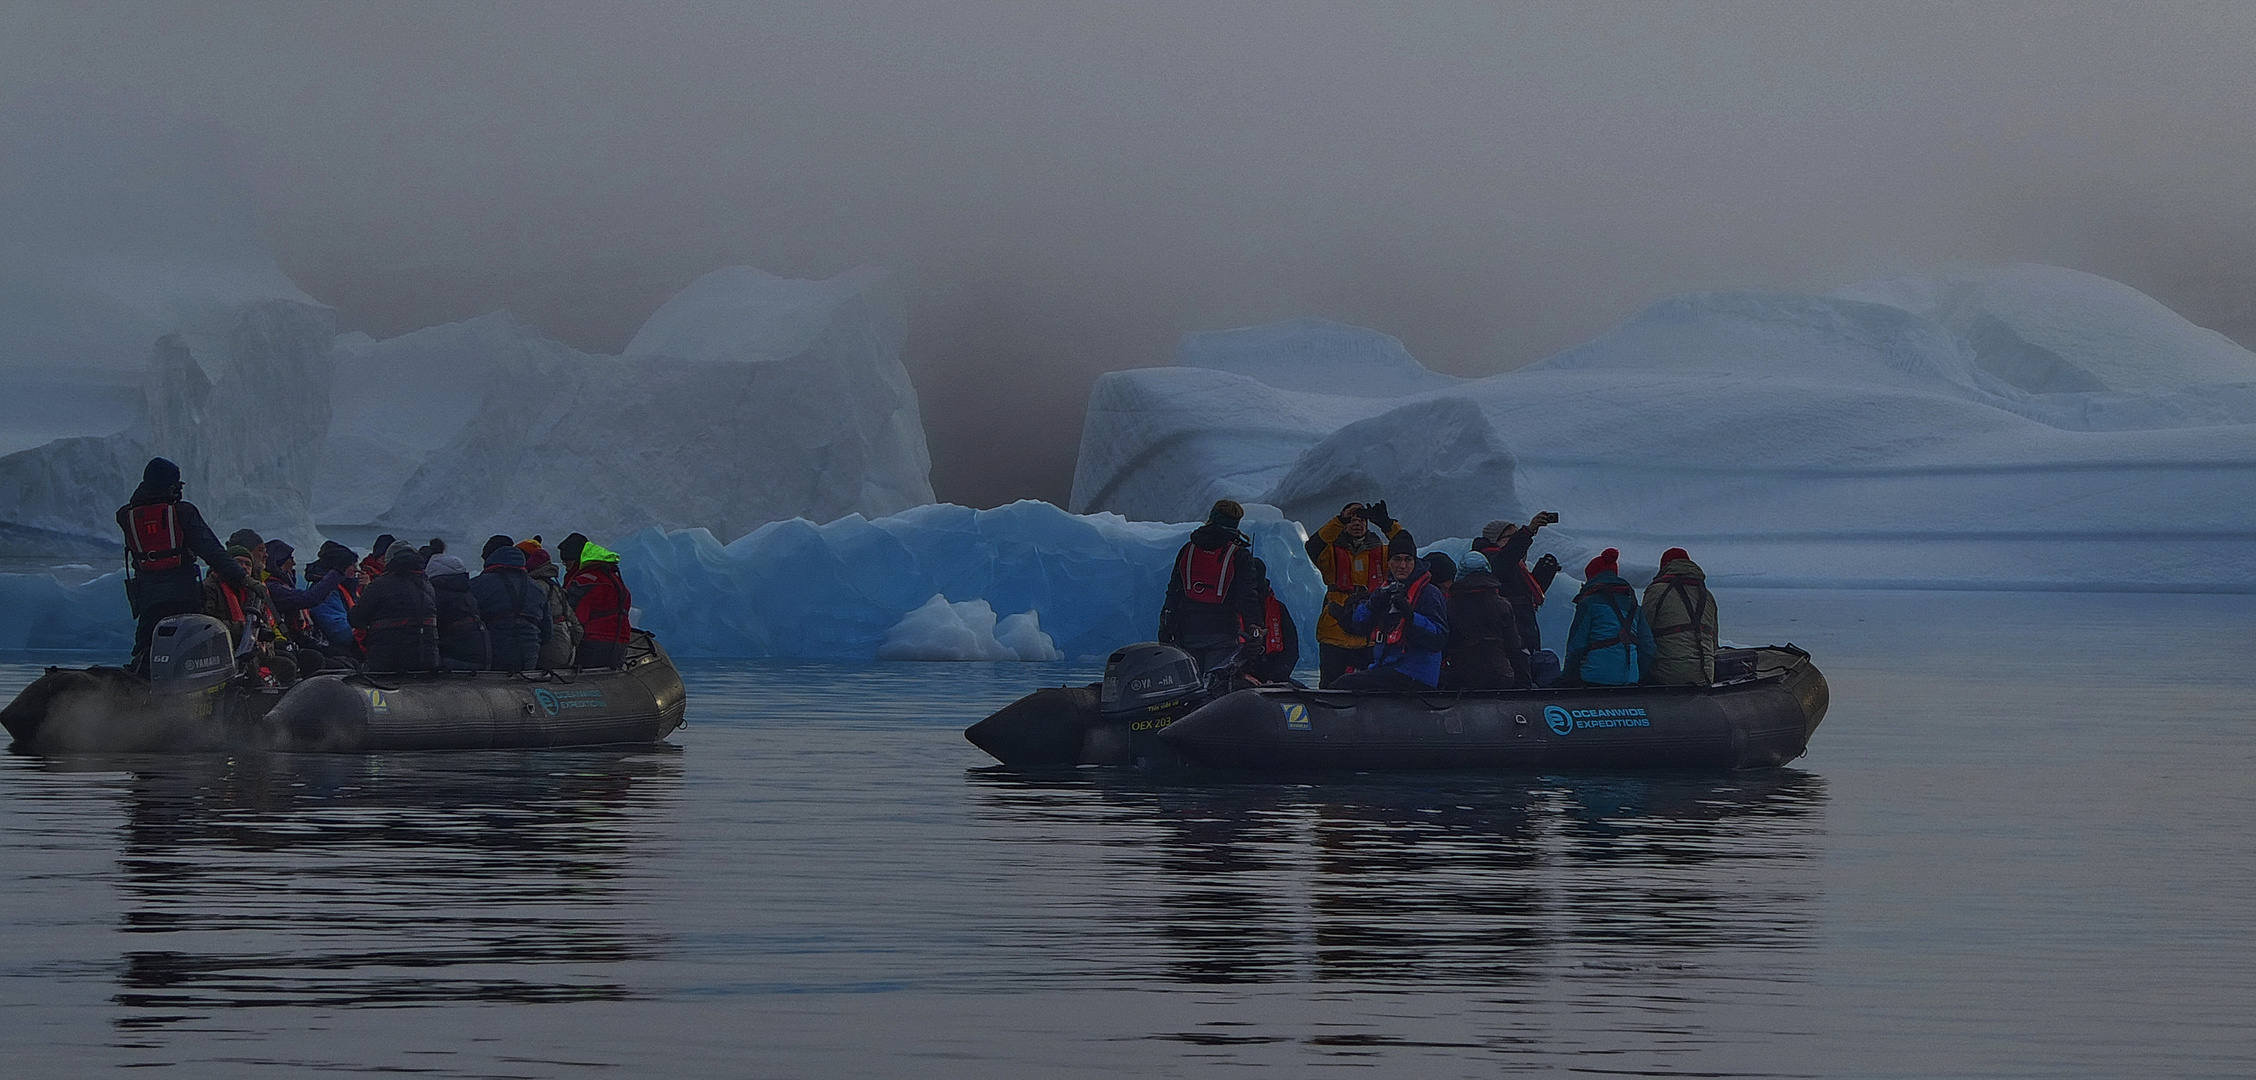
[(1407, 620), (1682, 613), (1484, 650), (399, 615), (1350, 552), (1280, 638), (1213, 610), (164, 536), (1610, 645), (373, 564), (602, 601), (235, 604)]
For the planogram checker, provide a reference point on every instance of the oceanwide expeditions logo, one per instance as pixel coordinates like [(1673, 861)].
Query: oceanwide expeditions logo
[(1564, 721)]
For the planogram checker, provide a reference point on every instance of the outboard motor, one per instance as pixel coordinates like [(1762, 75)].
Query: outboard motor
[(189, 654), (1146, 687)]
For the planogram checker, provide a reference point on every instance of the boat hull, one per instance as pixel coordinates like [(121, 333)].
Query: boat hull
[(1763, 721), (106, 710)]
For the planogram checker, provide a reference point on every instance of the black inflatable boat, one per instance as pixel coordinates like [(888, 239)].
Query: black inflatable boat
[(1153, 709), (193, 701)]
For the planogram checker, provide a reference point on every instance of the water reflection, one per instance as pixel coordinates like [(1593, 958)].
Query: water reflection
[(382, 880), (1471, 881)]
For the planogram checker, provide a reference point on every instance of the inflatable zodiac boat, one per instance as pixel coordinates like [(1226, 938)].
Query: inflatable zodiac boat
[(193, 701), (1153, 708)]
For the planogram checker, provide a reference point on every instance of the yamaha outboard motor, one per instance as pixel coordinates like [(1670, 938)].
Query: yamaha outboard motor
[(1146, 687), (190, 653)]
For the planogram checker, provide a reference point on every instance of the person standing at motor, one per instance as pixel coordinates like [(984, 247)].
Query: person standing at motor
[(164, 536), (1351, 555), (1213, 606), (601, 600)]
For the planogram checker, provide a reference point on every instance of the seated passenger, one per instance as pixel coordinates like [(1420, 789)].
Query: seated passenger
[(600, 598), (400, 615), (1442, 568), (1682, 613), (374, 563), (330, 613), (563, 639), (1610, 645), (1407, 621), (1213, 607), (1506, 545), (1350, 552), (515, 610), (462, 634), (1485, 651), (1280, 638)]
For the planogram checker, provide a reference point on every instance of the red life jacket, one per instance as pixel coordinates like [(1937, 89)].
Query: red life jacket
[(155, 538), (1345, 563), (1206, 573), (1380, 636), (1273, 619)]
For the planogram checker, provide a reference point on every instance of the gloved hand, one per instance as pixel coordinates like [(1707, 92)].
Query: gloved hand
[(1548, 562), (1377, 512)]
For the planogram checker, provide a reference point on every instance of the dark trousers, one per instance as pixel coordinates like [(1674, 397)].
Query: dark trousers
[(1334, 660), (403, 649), (601, 654)]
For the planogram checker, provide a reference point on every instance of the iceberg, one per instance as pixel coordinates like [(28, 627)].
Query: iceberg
[(747, 398), (967, 631), (2023, 428), (845, 589)]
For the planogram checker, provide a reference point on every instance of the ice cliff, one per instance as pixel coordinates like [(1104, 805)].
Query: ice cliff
[(747, 398), (2023, 427)]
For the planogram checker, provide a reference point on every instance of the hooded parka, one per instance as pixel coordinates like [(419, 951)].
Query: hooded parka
[(1682, 613)]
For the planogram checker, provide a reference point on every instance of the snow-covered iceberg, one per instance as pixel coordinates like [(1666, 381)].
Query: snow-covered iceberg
[(2028, 427), (747, 398), (841, 590), (967, 631)]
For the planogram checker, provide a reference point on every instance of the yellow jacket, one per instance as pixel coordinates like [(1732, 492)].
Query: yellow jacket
[(1346, 568)]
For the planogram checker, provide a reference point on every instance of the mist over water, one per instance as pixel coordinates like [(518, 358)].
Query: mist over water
[(1065, 189)]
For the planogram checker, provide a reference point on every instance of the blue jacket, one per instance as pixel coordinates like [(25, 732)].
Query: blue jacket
[(315, 601), (1408, 629), (514, 606), (1610, 645)]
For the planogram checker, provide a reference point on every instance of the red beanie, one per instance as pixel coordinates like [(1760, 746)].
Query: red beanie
[(1673, 554), (1607, 562)]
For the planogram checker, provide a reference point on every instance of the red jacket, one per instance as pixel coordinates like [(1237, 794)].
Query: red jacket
[(601, 601)]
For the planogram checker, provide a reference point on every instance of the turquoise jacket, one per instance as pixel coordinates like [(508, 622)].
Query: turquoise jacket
[(1611, 644)]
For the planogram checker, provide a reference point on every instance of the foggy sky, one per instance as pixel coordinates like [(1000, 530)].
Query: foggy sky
[(1064, 189)]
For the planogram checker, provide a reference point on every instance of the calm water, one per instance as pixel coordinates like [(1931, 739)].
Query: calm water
[(2023, 845)]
